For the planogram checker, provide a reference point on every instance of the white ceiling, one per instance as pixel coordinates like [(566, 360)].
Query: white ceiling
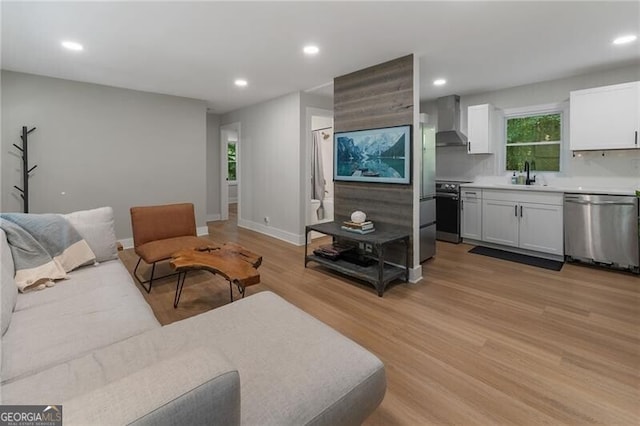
[(198, 49)]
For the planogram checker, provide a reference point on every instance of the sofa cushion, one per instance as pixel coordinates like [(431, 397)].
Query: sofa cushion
[(96, 226), (155, 251), (165, 393), (293, 368), (8, 287), (97, 306)]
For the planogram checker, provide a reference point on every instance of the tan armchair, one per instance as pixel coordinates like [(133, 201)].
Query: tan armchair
[(160, 231)]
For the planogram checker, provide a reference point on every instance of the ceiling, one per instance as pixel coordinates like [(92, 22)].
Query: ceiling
[(197, 49)]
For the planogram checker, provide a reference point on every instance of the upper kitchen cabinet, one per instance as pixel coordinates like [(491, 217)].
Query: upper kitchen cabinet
[(481, 129), (605, 117)]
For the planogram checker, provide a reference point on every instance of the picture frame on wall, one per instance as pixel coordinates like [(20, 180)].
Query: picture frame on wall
[(380, 155)]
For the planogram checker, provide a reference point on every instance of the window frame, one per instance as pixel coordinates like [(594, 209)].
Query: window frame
[(561, 108)]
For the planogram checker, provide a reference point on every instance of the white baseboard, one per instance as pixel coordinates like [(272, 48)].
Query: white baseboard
[(127, 243), (415, 274), (202, 231), (272, 232), (213, 217)]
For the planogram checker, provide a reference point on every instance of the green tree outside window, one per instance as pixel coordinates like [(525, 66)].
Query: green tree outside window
[(231, 162), (536, 139)]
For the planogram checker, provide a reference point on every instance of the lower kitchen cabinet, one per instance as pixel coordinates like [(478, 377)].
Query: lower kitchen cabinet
[(471, 214), (500, 222), (529, 221), (541, 228)]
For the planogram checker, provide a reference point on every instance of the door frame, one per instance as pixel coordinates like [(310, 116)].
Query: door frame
[(224, 177)]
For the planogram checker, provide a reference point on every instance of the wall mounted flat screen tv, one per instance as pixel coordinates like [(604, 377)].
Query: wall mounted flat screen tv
[(375, 155)]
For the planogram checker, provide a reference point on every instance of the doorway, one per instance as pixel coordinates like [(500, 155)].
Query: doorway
[(319, 200), (230, 169)]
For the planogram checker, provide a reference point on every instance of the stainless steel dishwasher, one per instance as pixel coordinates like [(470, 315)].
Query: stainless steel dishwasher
[(602, 229)]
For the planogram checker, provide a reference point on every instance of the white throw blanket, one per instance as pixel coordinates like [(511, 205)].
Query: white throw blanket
[(44, 248)]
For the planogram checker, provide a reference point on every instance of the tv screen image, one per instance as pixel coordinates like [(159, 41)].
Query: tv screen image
[(373, 155)]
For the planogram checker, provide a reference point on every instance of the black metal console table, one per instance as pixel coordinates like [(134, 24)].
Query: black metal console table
[(379, 274)]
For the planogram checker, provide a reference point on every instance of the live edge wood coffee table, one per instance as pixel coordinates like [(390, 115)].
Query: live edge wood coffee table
[(236, 264)]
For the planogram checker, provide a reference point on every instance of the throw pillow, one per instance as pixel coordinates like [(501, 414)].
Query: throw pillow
[(96, 226), (8, 289)]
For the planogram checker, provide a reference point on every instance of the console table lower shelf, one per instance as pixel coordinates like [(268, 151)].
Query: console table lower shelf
[(379, 273), (370, 274)]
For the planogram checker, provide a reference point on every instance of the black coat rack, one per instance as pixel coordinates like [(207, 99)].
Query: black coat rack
[(24, 191)]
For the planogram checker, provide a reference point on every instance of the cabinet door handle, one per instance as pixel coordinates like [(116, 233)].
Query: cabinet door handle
[(462, 204), (636, 142), (520, 211), (469, 146), (516, 210)]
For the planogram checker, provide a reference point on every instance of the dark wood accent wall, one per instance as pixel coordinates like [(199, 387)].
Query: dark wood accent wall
[(378, 96)]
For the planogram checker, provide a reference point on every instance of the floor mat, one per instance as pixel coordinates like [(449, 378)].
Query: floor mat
[(516, 257)]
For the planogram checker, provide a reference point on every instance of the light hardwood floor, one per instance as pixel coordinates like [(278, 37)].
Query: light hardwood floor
[(477, 341)]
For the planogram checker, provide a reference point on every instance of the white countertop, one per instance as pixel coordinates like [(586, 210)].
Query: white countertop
[(566, 185), (548, 188)]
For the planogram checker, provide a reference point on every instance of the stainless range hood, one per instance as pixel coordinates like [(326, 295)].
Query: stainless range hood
[(449, 133)]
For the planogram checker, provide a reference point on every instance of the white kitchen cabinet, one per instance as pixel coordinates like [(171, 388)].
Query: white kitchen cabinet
[(541, 228), (481, 129), (471, 214), (605, 117), (500, 222), (526, 220)]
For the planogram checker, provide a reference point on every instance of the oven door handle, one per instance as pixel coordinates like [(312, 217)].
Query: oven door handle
[(447, 195)]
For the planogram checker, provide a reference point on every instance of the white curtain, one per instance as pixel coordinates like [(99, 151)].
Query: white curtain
[(317, 173)]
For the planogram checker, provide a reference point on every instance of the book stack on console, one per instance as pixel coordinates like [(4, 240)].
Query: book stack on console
[(358, 228)]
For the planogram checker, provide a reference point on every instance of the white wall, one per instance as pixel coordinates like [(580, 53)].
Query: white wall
[(270, 166), (102, 146), (455, 162), (273, 161), (213, 167)]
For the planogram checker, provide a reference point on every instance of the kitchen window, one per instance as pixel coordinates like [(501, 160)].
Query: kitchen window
[(534, 135)]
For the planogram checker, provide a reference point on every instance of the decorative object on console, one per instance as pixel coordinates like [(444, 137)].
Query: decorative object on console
[(375, 155), (358, 216)]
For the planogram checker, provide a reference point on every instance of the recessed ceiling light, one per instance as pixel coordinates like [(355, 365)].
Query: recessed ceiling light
[(625, 39), (311, 50), (240, 82), (72, 45), (439, 82)]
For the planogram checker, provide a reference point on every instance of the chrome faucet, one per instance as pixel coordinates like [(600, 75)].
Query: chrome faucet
[(528, 181)]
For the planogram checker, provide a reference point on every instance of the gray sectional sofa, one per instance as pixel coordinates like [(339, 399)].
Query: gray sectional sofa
[(92, 344)]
